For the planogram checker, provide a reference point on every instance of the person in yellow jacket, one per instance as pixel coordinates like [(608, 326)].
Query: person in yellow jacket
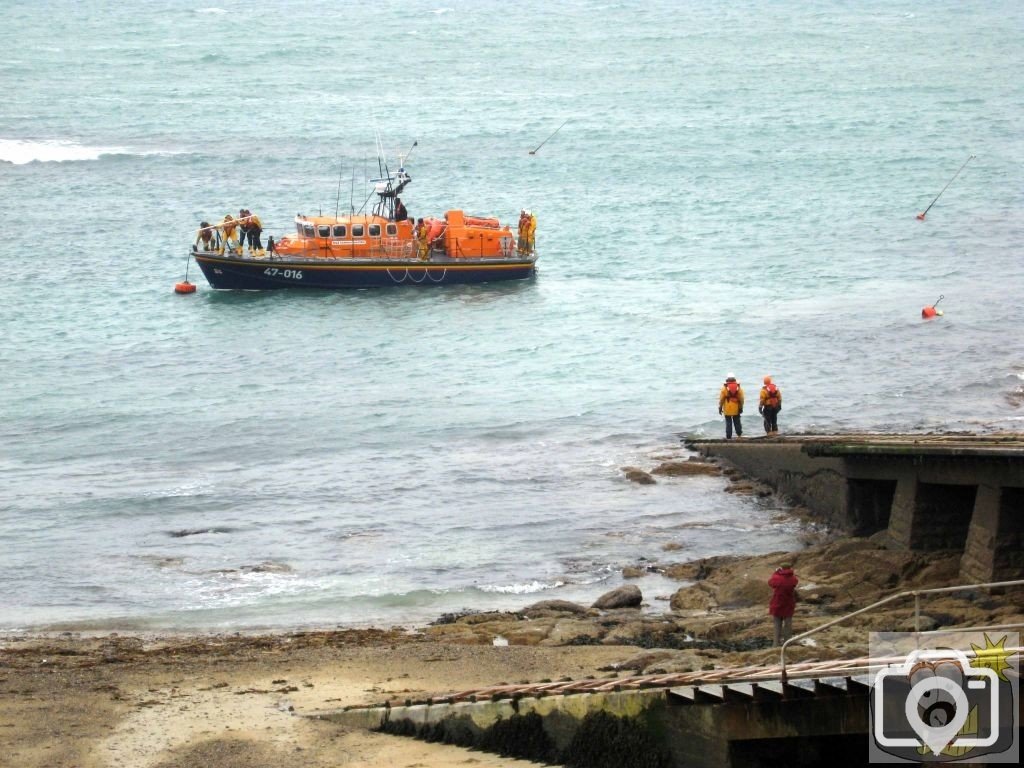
[(531, 232), (769, 405), (252, 227), (421, 239), (229, 235), (730, 405), (523, 238)]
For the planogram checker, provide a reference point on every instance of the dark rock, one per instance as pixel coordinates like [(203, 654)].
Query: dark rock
[(685, 468), (637, 475), (627, 596), (549, 607)]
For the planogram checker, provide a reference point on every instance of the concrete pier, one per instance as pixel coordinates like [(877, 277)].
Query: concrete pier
[(917, 492), (928, 492), (729, 724)]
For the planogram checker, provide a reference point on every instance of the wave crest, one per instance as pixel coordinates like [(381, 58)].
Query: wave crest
[(521, 589), (22, 152)]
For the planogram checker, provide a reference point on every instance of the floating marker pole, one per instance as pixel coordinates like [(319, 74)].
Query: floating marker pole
[(929, 312), (534, 151), (920, 216)]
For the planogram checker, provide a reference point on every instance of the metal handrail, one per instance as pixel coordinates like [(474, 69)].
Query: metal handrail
[(916, 593)]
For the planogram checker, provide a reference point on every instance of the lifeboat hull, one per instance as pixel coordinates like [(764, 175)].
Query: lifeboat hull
[(243, 273)]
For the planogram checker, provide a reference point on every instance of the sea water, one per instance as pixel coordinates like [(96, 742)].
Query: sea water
[(735, 190)]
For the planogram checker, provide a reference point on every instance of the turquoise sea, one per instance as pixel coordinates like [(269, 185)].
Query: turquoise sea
[(735, 190)]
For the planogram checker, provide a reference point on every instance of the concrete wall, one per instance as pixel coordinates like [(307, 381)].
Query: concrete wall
[(687, 734), (927, 496), (818, 484)]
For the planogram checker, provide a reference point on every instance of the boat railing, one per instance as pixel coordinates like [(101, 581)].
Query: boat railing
[(393, 248), (389, 248)]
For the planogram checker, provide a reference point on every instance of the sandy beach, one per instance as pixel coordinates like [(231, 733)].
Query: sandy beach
[(136, 701), (139, 702)]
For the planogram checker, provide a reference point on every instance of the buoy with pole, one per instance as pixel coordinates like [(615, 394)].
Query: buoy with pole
[(920, 216), (929, 312), (534, 151), (185, 286)]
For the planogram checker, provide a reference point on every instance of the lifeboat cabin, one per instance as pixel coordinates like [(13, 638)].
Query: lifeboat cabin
[(374, 237)]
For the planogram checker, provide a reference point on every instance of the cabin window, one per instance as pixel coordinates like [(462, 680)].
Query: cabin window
[(339, 230), (357, 230), (323, 230), (391, 229), (298, 228), (307, 230), (375, 230)]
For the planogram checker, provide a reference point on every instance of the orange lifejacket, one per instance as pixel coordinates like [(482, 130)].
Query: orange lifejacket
[(771, 395)]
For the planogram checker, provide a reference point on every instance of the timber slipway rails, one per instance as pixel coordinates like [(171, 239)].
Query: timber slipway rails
[(921, 492)]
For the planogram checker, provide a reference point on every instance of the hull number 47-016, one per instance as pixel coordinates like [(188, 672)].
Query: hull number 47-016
[(291, 274)]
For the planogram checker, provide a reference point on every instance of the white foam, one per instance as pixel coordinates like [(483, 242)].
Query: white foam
[(21, 151), (211, 10), (521, 589)]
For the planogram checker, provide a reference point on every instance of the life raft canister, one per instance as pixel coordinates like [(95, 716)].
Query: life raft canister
[(436, 228)]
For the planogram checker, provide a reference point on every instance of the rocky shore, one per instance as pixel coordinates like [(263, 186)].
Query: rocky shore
[(227, 701)]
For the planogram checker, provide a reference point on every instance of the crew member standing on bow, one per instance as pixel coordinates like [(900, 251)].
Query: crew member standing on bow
[(769, 406), (730, 405), (229, 235), (252, 227)]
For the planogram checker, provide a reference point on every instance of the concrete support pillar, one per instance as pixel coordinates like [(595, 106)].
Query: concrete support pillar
[(902, 520), (993, 551)]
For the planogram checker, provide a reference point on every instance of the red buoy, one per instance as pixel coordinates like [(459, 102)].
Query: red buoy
[(185, 287), (929, 312)]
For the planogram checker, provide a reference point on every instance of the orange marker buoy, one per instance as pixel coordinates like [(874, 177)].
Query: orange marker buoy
[(185, 287), (929, 312)]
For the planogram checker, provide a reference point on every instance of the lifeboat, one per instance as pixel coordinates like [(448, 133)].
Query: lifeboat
[(375, 249)]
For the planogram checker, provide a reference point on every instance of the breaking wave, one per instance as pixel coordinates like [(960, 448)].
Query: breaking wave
[(521, 589), (22, 152)]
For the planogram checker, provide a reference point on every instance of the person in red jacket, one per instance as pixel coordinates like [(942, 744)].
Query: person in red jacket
[(783, 583)]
